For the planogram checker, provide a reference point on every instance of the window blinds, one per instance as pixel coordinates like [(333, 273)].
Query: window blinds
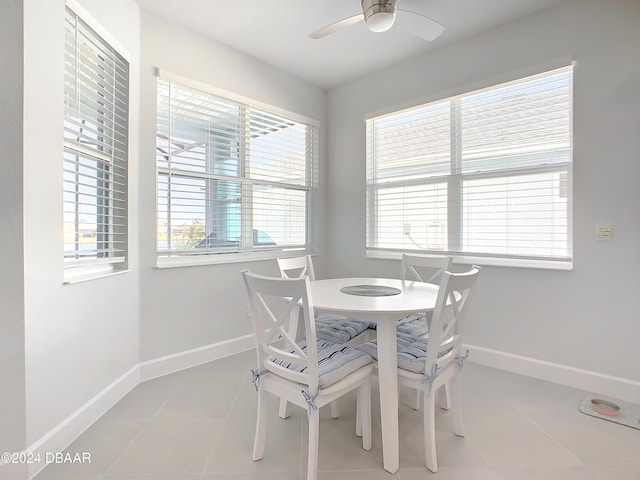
[(487, 173), (232, 177), (96, 89)]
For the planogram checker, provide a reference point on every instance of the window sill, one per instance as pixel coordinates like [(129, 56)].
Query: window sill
[(220, 259), (87, 274), (487, 261)]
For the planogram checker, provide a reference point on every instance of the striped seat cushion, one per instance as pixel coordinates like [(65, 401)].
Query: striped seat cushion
[(414, 324), (334, 361), (339, 329), (412, 352)]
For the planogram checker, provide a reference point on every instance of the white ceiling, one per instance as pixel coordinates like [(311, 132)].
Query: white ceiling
[(276, 31)]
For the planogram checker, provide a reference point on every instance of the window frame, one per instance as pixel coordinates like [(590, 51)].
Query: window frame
[(245, 252), (456, 177), (112, 215)]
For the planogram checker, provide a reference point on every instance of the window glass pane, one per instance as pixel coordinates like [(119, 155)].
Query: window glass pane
[(232, 178), (198, 213), (278, 149), (412, 144), (523, 215), (486, 173), (96, 99), (518, 125), (198, 132), (279, 216), (412, 217)]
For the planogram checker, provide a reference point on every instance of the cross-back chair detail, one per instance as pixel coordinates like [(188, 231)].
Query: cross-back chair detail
[(309, 373), (443, 356), (424, 268), (330, 327), (296, 267), (428, 363)]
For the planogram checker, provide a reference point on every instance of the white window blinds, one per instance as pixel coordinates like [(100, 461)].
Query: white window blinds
[(487, 173), (96, 92), (232, 177)]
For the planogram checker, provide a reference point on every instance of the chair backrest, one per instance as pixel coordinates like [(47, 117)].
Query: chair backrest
[(273, 301), (296, 267), (451, 307), (424, 268)]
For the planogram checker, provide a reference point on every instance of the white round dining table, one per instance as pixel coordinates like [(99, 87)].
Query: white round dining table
[(409, 297)]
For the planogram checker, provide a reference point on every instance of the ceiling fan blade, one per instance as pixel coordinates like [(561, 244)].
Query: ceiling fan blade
[(340, 24), (419, 25)]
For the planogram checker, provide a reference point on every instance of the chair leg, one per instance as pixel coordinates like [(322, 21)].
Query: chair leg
[(456, 404), (429, 413), (282, 411), (261, 427), (418, 398), (363, 415), (314, 433), (335, 410), (444, 397), (294, 319)]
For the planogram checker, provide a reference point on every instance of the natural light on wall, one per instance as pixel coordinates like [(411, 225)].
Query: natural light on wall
[(484, 174)]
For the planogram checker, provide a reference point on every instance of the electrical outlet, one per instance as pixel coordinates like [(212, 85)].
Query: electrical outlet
[(248, 307), (407, 228), (604, 231)]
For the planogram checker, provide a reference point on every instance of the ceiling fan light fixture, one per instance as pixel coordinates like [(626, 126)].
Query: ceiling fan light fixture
[(380, 15)]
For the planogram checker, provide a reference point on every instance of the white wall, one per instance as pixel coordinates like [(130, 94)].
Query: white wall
[(12, 399), (191, 307), (78, 338), (586, 318)]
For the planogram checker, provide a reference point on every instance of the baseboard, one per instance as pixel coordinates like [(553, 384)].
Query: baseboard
[(197, 356), (597, 383), (58, 438), (61, 436)]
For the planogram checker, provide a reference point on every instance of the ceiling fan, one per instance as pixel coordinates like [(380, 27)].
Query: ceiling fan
[(380, 16)]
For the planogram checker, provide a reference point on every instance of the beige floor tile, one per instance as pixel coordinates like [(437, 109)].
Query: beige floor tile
[(229, 371), (171, 446), (347, 474), (152, 477), (340, 448), (198, 424), (617, 472), (205, 400), (143, 402), (232, 454), (449, 473), (104, 441), (46, 475), (253, 476), (592, 440), (577, 472), (510, 439)]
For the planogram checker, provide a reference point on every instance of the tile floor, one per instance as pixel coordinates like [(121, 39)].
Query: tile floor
[(198, 425)]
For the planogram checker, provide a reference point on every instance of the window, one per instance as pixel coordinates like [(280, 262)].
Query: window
[(96, 106), (236, 179), (484, 174)]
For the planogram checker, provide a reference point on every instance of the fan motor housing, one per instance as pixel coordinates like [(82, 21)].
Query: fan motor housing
[(379, 14)]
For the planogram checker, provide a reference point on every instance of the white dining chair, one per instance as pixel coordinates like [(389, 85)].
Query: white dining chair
[(428, 363), (429, 269), (309, 373), (333, 328), (423, 268)]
